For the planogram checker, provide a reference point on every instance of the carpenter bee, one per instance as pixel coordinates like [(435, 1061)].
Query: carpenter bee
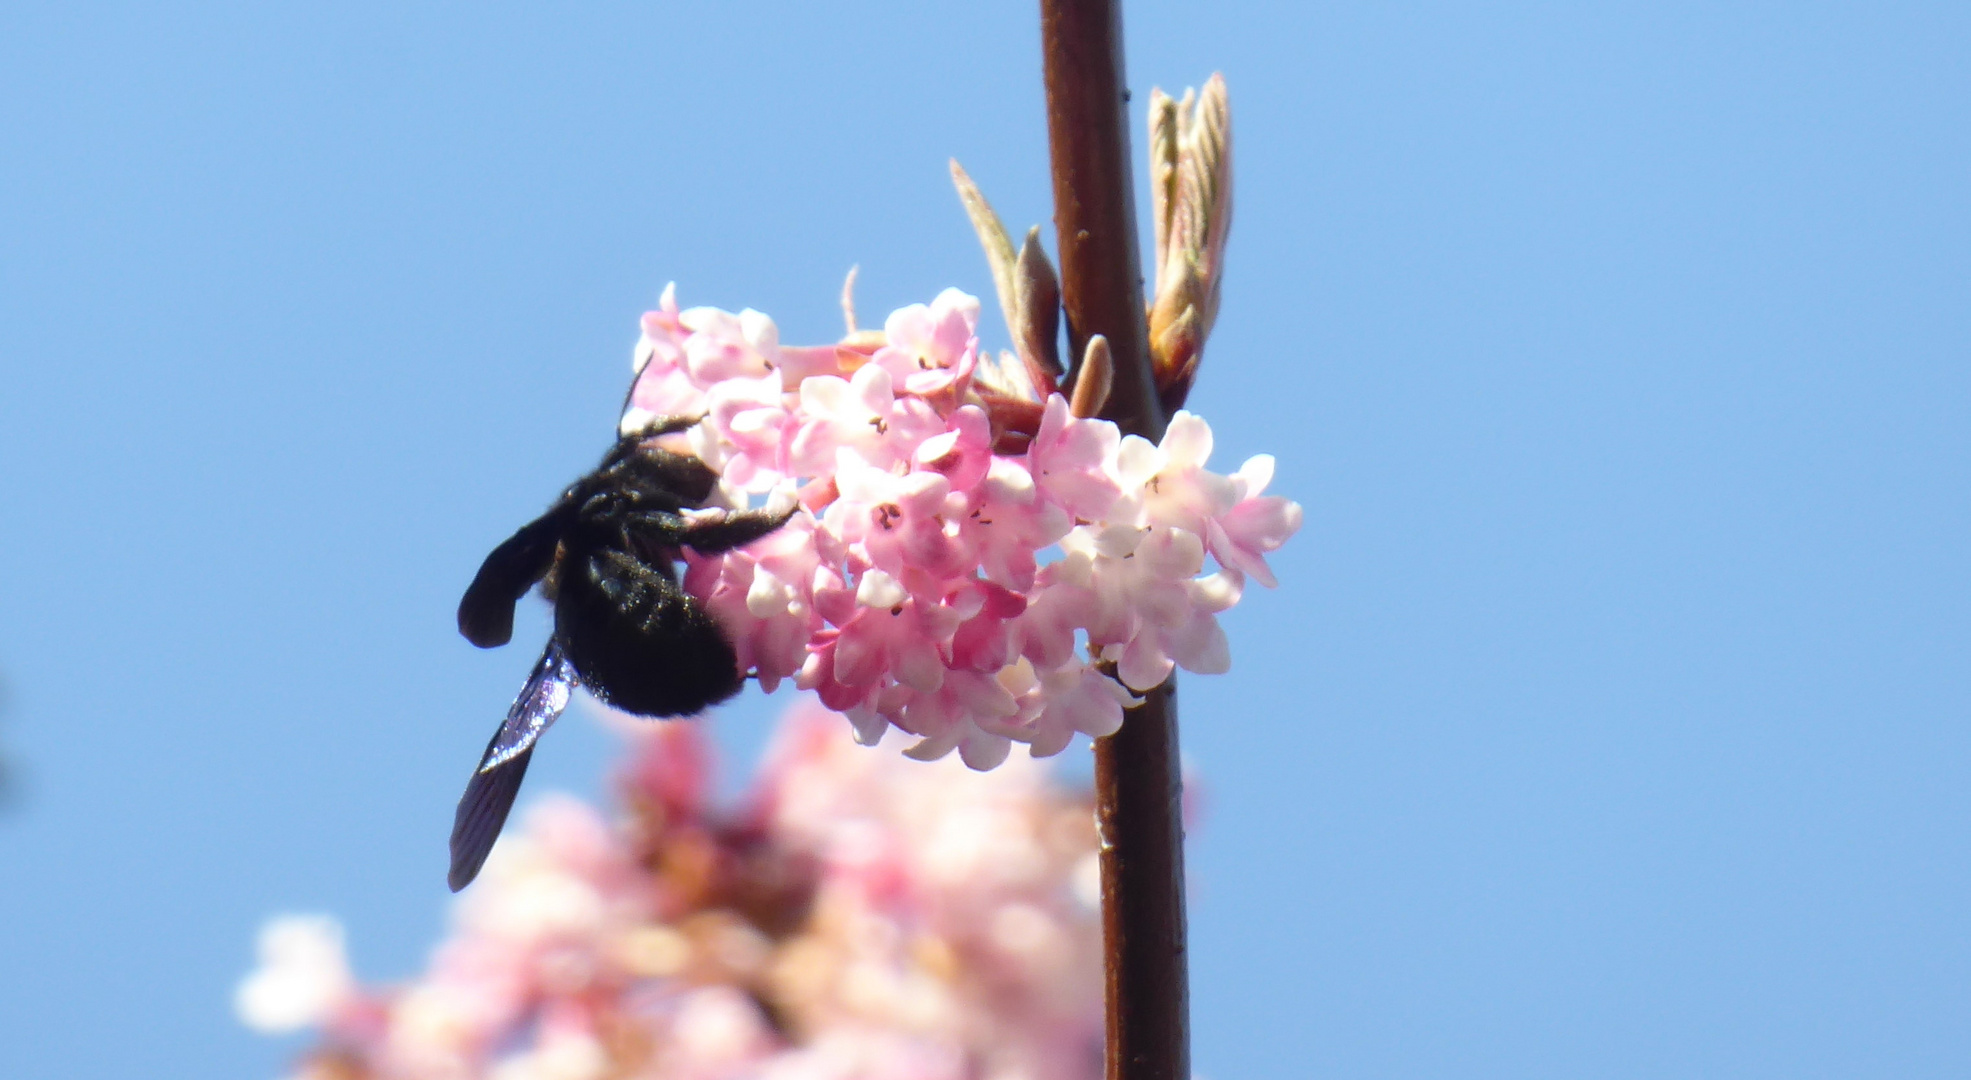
[(605, 555)]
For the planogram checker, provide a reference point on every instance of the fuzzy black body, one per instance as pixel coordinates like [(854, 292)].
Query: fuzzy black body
[(606, 554), (609, 549), (638, 641)]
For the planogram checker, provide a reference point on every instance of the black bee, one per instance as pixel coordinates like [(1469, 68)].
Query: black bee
[(605, 554)]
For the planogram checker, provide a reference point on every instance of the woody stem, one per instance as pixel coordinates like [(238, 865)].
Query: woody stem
[(1138, 785)]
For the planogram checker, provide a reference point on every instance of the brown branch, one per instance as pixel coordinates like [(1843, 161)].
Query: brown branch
[(1138, 784), (1138, 811), (1094, 210)]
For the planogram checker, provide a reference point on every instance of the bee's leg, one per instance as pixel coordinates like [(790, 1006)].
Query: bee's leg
[(728, 529), (719, 530), (630, 446), (665, 425), (661, 526)]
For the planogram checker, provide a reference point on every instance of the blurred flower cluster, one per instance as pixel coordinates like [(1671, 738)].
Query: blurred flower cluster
[(857, 917), (908, 590)]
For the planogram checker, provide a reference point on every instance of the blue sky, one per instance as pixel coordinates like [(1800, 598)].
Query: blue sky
[(1610, 718)]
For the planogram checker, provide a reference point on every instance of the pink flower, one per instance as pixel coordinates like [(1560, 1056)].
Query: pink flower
[(1191, 639), (963, 453), (897, 519), (663, 386), (958, 715), (984, 641), (931, 348), (861, 916), (1056, 704), (861, 414), (1005, 522), (747, 419), (722, 346), (913, 593), (893, 633), (1176, 611), (763, 597), (857, 701), (1073, 460), (1167, 484), (1255, 525)]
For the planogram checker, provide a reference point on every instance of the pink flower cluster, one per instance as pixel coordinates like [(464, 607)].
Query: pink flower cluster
[(859, 918), (913, 587)]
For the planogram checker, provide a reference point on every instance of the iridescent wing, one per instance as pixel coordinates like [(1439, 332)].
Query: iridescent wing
[(489, 794)]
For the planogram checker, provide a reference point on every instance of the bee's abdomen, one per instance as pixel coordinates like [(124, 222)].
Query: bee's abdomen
[(639, 643)]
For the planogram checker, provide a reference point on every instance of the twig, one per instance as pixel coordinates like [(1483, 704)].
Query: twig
[(1138, 784)]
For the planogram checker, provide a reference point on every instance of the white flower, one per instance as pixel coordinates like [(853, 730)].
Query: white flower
[(303, 975)]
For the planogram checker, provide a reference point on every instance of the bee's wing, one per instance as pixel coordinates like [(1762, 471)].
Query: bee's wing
[(489, 794), (538, 705), (486, 609)]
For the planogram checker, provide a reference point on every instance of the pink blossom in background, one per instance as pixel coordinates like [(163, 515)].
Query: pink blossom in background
[(914, 588), (859, 916)]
